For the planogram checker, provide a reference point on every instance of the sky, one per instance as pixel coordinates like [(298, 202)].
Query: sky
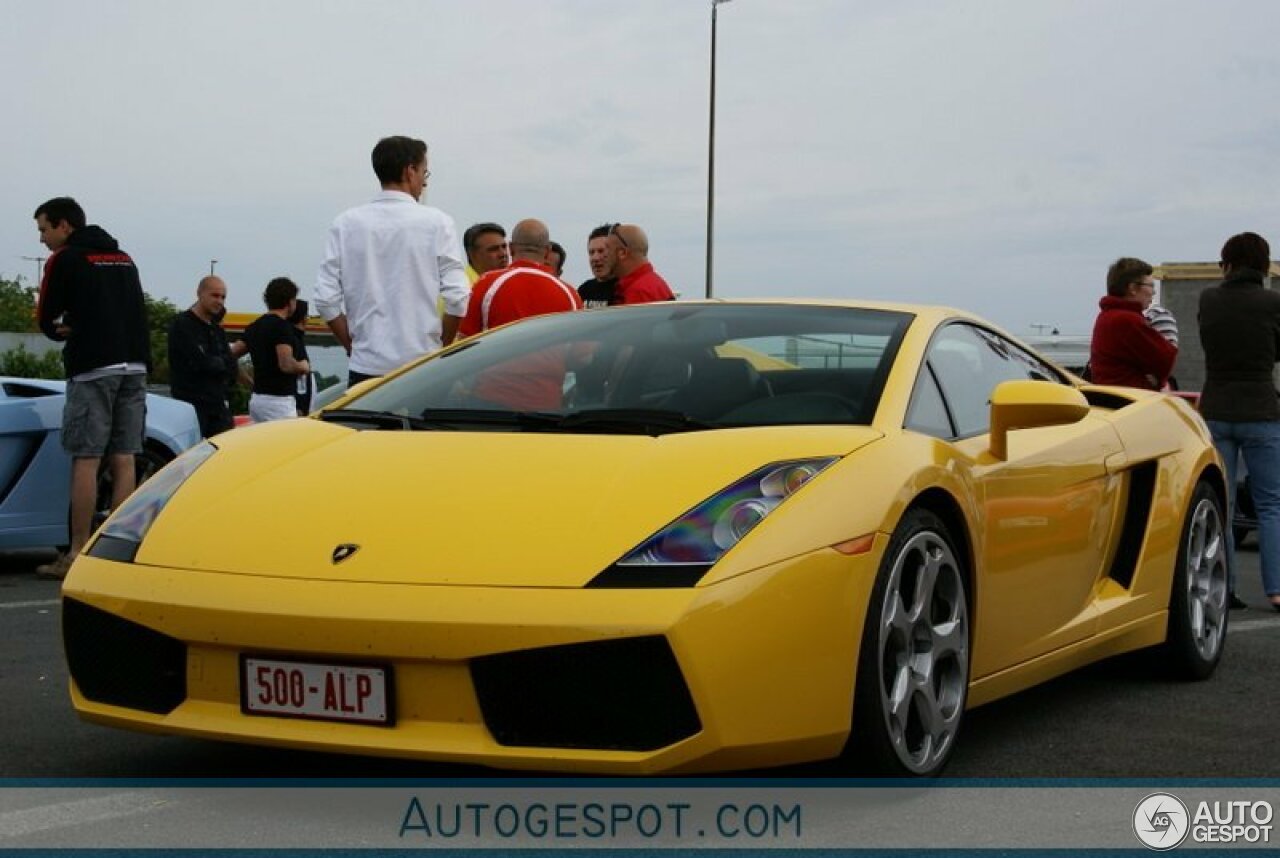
[(992, 155)]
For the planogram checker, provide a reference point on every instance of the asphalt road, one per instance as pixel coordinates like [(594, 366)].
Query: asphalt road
[(1115, 719)]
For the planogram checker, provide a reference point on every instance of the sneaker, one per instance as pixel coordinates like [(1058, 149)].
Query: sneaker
[(1236, 603), (56, 569)]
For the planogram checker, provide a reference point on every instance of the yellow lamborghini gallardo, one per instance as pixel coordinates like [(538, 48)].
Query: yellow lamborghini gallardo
[(676, 537)]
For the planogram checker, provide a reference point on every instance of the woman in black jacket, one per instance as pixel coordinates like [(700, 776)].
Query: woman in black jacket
[(1240, 333)]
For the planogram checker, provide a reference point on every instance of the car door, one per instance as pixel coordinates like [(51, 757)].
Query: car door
[(1047, 510)]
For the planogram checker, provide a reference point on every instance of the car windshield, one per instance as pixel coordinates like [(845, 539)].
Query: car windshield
[(654, 369)]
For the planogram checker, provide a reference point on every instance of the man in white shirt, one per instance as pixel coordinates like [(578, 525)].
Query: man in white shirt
[(386, 264)]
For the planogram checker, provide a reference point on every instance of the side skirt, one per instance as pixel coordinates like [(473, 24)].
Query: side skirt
[(1138, 634)]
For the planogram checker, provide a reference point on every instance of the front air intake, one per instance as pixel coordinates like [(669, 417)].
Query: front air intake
[(121, 663), (626, 695)]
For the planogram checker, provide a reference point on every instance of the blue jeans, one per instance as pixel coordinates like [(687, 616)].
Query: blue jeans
[(1259, 442)]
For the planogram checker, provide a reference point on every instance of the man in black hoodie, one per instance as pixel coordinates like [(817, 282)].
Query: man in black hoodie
[(91, 299)]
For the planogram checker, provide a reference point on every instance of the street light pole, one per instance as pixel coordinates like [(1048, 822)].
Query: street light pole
[(39, 261), (711, 148), (212, 262)]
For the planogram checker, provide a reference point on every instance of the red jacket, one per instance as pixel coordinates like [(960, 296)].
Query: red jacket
[(518, 291), (643, 286), (533, 382), (1126, 351)]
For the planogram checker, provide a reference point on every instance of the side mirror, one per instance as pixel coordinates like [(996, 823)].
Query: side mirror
[(1029, 404)]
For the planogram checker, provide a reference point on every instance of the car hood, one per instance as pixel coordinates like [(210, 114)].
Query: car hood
[(474, 508)]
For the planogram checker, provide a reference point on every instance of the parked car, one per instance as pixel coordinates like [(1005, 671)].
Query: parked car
[(676, 537), (35, 472)]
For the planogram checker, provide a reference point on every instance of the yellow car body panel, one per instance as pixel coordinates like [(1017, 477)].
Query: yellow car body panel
[(428, 633), (478, 535)]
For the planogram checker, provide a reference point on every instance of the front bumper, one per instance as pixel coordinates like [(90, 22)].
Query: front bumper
[(765, 661)]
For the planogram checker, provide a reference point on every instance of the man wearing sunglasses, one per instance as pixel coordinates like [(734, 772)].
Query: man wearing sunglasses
[(601, 289), (638, 283)]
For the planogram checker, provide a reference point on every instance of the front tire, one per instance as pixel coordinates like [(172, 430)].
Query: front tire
[(1198, 611), (913, 667)]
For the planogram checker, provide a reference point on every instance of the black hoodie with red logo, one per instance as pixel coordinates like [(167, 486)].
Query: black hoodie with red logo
[(92, 286)]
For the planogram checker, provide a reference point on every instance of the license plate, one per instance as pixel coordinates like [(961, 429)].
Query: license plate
[(328, 692)]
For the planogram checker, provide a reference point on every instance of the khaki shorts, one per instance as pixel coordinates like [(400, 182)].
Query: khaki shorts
[(105, 415)]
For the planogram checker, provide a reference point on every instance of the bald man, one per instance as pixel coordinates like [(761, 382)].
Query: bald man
[(525, 288), (202, 366), (638, 283)]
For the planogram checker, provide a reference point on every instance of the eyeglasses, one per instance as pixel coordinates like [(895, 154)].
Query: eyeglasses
[(613, 230)]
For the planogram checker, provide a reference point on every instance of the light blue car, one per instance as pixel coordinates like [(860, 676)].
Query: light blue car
[(35, 472)]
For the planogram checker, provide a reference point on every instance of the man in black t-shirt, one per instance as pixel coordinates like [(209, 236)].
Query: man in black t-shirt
[(271, 342), (202, 365), (600, 290)]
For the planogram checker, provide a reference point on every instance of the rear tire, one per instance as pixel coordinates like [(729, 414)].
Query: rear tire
[(1198, 611), (913, 667)]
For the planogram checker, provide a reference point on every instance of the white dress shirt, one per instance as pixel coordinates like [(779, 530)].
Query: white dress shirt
[(386, 264)]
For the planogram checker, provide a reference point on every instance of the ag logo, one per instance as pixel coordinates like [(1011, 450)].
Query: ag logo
[(1161, 821), (343, 551)]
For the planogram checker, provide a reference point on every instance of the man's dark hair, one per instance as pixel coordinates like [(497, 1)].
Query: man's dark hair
[(1124, 271), (473, 233), (602, 231), (62, 210), (558, 249), (279, 293), (1247, 250), (393, 154)]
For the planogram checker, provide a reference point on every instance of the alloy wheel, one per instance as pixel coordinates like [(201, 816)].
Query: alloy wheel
[(924, 652), (1206, 558)]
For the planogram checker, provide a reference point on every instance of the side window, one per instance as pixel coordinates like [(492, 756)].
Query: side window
[(969, 362), (928, 413), (1030, 366)]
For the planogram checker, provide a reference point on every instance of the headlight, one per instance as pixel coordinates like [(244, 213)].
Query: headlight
[(123, 533), (682, 552)]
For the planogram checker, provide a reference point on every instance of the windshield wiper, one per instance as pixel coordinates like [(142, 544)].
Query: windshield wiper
[(380, 420), (454, 417), (646, 421), (649, 421)]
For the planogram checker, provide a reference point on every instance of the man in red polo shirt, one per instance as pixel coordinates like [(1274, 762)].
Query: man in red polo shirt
[(638, 283), (525, 288)]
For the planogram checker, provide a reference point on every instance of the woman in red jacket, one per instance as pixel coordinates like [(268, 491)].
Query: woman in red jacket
[(1126, 350)]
